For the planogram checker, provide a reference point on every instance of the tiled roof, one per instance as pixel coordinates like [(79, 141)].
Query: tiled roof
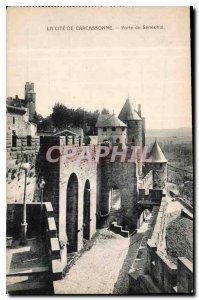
[(59, 133), (15, 109), (109, 121)]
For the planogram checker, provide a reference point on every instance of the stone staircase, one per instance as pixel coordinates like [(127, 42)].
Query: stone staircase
[(118, 229), (31, 269), (106, 220), (29, 282)]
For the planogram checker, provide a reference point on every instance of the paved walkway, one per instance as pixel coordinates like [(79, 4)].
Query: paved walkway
[(97, 270), (122, 285)]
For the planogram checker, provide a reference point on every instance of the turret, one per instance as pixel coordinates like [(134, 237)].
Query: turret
[(139, 110), (143, 125), (134, 128), (130, 117), (111, 130), (158, 165), (30, 97)]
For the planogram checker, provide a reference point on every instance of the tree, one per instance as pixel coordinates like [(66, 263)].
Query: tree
[(105, 111), (61, 116)]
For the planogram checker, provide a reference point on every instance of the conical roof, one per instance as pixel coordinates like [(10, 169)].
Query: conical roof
[(109, 121), (156, 154), (128, 113)]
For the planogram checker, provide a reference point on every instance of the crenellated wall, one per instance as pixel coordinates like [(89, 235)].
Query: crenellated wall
[(153, 271), (146, 182), (159, 173), (15, 176), (168, 276)]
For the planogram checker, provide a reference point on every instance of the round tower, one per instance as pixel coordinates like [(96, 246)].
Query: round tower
[(111, 130), (134, 128), (158, 165), (130, 117), (30, 97)]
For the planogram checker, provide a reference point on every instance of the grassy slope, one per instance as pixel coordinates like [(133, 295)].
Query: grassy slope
[(180, 239)]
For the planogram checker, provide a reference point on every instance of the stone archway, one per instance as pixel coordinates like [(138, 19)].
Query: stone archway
[(142, 215), (72, 213), (86, 211)]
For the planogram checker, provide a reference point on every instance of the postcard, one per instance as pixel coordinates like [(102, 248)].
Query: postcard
[(99, 151)]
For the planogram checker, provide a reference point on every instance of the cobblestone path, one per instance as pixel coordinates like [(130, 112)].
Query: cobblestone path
[(98, 269)]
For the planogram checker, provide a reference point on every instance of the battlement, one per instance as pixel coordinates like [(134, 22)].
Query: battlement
[(29, 86)]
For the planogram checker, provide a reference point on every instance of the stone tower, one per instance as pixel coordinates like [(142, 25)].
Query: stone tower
[(143, 125), (158, 165), (30, 97), (111, 129), (134, 129), (134, 123)]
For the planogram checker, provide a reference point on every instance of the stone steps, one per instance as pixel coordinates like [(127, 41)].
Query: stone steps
[(118, 229), (25, 271), (34, 283)]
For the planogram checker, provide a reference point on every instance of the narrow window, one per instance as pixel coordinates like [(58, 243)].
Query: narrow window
[(104, 128), (14, 139), (115, 198), (123, 128), (73, 140), (13, 120), (29, 140)]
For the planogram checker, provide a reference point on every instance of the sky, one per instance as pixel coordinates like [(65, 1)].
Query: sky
[(93, 69)]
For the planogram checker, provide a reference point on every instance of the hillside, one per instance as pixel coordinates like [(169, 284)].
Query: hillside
[(176, 132)]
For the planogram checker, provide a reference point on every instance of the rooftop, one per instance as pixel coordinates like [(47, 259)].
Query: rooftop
[(59, 133), (16, 109), (109, 121), (156, 154), (128, 113)]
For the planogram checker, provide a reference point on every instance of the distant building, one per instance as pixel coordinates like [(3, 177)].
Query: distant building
[(19, 115), (18, 124), (29, 101), (111, 130), (22, 144), (133, 121), (72, 135)]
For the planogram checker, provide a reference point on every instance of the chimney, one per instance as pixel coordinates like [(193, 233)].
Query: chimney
[(139, 110)]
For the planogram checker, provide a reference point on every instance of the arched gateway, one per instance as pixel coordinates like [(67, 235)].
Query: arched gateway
[(86, 211), (72, 213)]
